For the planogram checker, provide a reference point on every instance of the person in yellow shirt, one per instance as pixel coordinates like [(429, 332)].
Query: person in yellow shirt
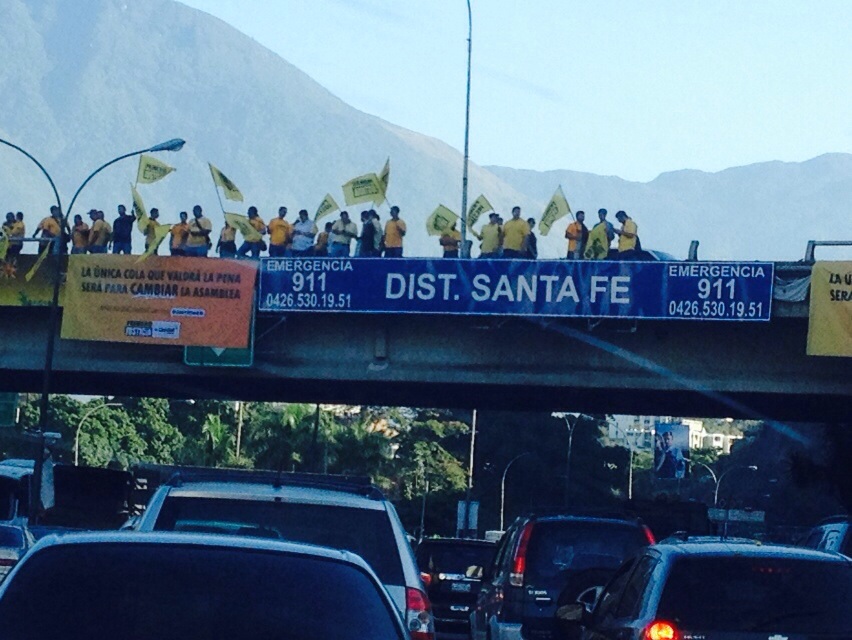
[(321, 247), (14, 228), (450, 241), (394, 233), (280, 234), (50, 227), (79, 235), (179, 232), (100, 232), (227, 245), (198, 241), (490, 238), (628, 236), (151, 230), (253, 247), (577, 234), (515, 233)]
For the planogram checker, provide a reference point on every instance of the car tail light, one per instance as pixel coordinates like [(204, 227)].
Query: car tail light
[(661, 630), (418, 615), (649, 535), (519, 562), (426, 578)]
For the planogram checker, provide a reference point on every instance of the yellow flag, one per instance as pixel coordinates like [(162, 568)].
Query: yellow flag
[(366, 188), (242, 224), (160, 232), (384, 181), (557, 208), (4, 245), (440, 221), (150, 170), (326, 207), (479, 206), (230, 189), (38, 262), (830, 319), (141, 213), (597, 246)]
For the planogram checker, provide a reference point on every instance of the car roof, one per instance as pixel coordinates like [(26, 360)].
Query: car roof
[(744, 548), (265, 491), (456, 542), (239, 543), (632, 523)]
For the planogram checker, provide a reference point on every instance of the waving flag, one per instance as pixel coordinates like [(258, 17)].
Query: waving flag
[(160, 232), (479, 206), (242, 224), (366, 188), (150, 169), (557, 208), (326, 207), (221, 180), (441, 220)]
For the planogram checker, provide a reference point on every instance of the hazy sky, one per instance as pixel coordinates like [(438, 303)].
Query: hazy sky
[(614, 87)]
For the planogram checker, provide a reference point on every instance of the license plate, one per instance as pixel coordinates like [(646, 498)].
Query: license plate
[(460, 586)]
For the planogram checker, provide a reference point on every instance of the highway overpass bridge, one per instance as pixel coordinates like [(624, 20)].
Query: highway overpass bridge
[(613, 366)]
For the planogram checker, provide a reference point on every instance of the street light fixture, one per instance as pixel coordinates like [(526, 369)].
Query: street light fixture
[(503, 486), (571, 426), (717, 480), (80, 426)]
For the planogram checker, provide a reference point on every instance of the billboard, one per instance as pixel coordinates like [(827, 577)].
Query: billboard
[(17, 291), (671, 451), (550, 288), (160, 300), (830, 325)]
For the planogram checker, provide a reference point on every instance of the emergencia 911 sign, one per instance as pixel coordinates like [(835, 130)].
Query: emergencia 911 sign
[(738, 291)]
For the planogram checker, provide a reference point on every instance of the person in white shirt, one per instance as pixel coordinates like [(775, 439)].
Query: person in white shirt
[(304, 231)]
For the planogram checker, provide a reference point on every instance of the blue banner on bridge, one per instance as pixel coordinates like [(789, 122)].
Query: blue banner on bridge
[(550, 288)]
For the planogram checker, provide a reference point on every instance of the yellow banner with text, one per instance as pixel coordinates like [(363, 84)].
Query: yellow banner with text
[(830, 327)]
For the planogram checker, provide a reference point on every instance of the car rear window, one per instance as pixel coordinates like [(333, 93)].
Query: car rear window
[(11, 537), (143, 591), (367, 532), (557, 547), (776, 595), (453, 558)]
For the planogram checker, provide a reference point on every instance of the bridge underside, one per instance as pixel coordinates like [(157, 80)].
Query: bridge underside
[(658, 368)]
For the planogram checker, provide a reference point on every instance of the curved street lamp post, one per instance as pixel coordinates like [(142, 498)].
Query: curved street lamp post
[(80, 426), (503, 485), (465, 253), (175, 144)]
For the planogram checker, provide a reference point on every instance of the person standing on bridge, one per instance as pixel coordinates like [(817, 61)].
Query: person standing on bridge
[(198, 242), (490, 237), (18, 230), (280, 234), (227, 244), (50, 227), (531, 242), (151, 230), (304, 231), (178, 233), (394, 233), (79, 235), (578, 235), (321, 247), (515, 233), (450, 241), (343, 232), (254, 247), (600, 238), (122, 231), (628, 236), (100, 232)]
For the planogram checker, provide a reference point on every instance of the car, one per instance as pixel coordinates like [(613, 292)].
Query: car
[(171, 586), (452, 570), (15, 541), (340, 512), (544, 561), (720, 589), (832, 534)]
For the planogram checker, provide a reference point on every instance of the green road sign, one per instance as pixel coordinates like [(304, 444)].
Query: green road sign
[(8, 409), (217, 357)]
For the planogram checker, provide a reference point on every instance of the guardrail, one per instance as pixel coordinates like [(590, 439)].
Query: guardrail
[(813, 244)]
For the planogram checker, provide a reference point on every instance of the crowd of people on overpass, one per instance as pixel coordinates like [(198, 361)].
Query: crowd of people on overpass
[(194, 236)]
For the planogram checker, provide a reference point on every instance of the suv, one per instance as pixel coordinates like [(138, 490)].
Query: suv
[(544, 562), (452, 570), (341, 512), (721, 588), (832, 534)]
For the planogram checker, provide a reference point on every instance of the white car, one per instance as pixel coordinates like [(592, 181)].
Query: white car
[(15, 541), (339, 512)]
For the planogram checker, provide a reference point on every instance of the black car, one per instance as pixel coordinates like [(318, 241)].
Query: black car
[(721, 589), (452, 570), (545, 561)]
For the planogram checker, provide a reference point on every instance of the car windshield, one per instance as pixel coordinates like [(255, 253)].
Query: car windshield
[(453, 558), (366, 532), (557, 547), (11, 537), (775, 595), (141, 591)]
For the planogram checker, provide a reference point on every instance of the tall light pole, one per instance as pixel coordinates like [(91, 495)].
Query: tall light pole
[(571, 426), (503, 486), (80, 426), (464, 250), (751, 467), (469, 476), (175, 144)]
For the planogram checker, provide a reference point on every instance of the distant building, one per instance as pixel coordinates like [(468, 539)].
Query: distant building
[(638, 432)]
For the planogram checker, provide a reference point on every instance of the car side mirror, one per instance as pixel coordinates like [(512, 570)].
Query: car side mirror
[(474, 571)]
